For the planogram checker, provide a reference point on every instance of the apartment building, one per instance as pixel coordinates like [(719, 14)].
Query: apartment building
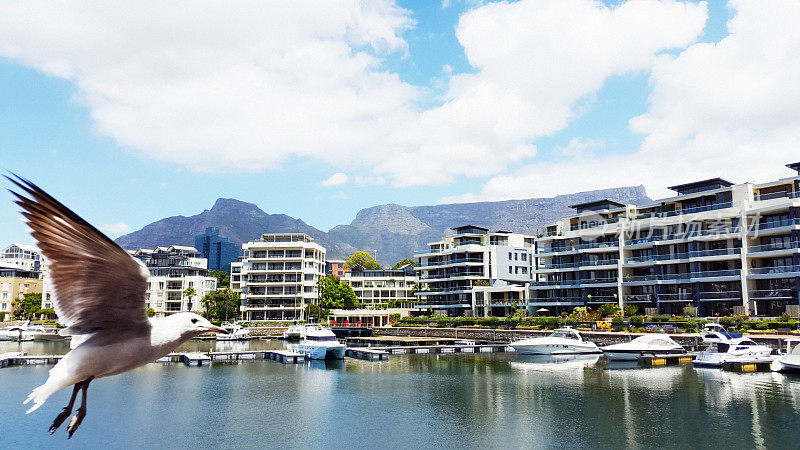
[(172, 271), (383, 288), (278, 276), (216, 249), (335, 268), (720, 247), (22, 256), (15, 282), (473, 271)]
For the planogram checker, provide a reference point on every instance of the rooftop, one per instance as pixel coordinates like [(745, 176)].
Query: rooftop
[(794, 166), (469, 227), (702, 185), (597, 204)]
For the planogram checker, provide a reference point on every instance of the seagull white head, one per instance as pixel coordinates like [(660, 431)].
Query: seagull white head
[(192, 324)]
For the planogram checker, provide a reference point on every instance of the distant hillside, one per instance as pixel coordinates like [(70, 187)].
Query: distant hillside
[(392, 231)]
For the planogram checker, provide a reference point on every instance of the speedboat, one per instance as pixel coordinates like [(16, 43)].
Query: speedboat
[(320, 343), (16, 334), (712, 332), (724, 349), (649, 345), (294, 332), (563, 341), (235, 331), (39, 333), (789, 361)]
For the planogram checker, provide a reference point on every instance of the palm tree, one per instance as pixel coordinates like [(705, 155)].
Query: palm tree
[(189, 292)]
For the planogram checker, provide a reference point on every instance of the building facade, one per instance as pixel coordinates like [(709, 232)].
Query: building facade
[(172, 271), (25, 257), (718, 247), (278, 276), (216, 249), (15, 282), (473, 271), (335, 268), (383, 288)]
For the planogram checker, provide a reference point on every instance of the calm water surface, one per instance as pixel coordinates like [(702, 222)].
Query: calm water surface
[(451, 401)]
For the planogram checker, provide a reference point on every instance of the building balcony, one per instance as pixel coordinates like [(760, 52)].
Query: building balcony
[(774, 272), (774, 195), (684, 211), (774, 226), (452, 261), (773, 294), (689, 276), (779, 247), (719, 233), (589, 225)]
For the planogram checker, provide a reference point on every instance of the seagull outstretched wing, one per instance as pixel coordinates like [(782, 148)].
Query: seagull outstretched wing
[(98, 285)]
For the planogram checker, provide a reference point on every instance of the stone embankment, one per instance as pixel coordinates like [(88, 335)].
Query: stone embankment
[(691, 342)]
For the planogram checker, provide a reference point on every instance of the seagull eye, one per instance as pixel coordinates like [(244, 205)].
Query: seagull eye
[(194, 320)]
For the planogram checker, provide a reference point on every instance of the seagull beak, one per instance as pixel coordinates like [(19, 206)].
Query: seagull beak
[(215, 329)]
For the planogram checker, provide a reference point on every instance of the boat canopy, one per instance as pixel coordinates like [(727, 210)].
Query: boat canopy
[(658, 340), (566, 333)]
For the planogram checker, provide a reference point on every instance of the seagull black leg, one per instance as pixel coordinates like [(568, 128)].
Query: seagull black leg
[(67, 409), (78, 418)]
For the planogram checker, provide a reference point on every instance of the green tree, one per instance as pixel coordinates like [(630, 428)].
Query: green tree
[(151, 312), (223, 279), (28, 306), (189, 292), (221, 305), (403, 262), (608, 309), (335, 294), (363, 259)]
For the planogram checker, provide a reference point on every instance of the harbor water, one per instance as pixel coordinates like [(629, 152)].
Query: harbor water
[(500, 400)]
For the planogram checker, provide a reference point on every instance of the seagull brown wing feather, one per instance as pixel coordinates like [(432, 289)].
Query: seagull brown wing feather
[(98, 285)]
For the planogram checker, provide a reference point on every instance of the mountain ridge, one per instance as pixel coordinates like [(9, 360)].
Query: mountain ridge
[(390, 231)]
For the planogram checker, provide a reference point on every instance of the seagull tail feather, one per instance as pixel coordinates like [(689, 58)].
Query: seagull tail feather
[(57, 380), (38, 396)]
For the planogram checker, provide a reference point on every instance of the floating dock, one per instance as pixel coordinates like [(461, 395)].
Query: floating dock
[(422, 349), (666, 360), (369, 354), (750, 365)]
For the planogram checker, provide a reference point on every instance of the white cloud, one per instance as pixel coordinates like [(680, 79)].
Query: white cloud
[(115, 229), (206, 85), (730, 109), (362, 179), (337, 179)]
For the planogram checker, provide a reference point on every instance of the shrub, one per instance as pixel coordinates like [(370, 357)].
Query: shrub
[(637, 321), (730, 321), (617, 322), (689, 311), (631, 310), (608, 309), (660, 319)]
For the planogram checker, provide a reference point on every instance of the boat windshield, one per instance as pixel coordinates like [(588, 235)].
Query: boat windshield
[(321, 338), (563, 334)]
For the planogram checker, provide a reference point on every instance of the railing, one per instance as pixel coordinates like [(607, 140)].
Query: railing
[(560, 266), (773, 195), (770, 294), (683, 276), (682, 296), (587, 225), (450, 275), (721, 295), (775, 269), (640, 298), (603, 262), (598, 280), (557, 283), (773, 247), (557, 299), (602, 299), (684, 235), (687, 255), (777, 224), (452, 261), (613, 244)]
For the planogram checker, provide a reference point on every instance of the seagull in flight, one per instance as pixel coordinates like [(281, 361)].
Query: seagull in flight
[(100, 292)]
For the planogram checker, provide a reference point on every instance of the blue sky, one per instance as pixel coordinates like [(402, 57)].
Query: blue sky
[(86, 126)]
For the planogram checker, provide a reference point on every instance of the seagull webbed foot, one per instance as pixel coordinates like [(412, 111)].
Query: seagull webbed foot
[(62, 416), (76, 422)]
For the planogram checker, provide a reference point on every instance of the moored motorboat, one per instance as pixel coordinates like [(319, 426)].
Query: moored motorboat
[(563, 341), (235, 331), (647, 345), (724, 349), (713, 332), (789, 361), (43, 334), (294, 332), (320, 343)]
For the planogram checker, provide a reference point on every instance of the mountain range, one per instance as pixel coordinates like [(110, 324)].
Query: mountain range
[(389, 232)]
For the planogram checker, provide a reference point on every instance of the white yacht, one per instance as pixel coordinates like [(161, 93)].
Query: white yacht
[(563, 341), (320, 343), (647, 345), (789, 361), (235, 331), (730, 349), (16, 334), (39, 333), (712, 332), (294, 332)]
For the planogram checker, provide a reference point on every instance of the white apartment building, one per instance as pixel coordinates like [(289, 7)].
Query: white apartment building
[(716, 246), (15, 282), (474, 271), (383, 288), (22, 256), (172, 271), (278, 276)]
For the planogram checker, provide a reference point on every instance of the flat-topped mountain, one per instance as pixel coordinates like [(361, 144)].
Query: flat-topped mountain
[(392, 231)]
